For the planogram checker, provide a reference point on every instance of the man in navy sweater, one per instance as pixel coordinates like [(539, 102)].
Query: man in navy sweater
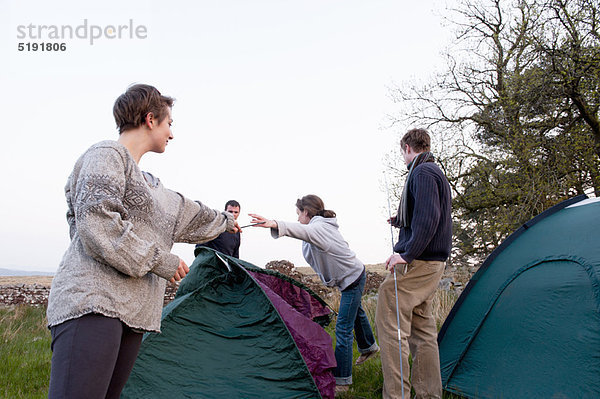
[(424, 243), (229, 243)]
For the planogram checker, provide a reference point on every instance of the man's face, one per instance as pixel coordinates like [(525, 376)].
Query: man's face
[(408, 154), (235, 210)]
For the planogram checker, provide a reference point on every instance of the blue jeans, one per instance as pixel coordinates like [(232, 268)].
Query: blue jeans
[(351, 316)]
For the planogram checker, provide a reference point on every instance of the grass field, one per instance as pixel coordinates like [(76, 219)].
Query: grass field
[(25, 352)]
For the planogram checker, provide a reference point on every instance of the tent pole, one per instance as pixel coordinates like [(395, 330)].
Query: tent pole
[(395, 284)]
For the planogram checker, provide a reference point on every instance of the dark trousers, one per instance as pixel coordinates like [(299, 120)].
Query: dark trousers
[(92, 357)]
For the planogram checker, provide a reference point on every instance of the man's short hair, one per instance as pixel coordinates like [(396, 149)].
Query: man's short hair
[(417, 139), (232, 203), (139, 100)]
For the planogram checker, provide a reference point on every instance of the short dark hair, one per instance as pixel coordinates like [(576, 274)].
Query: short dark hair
[(139, 100), (314, 206), (232, 203), (417, 139)]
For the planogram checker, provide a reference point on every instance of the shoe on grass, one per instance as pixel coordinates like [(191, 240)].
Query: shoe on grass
[(366, 356)]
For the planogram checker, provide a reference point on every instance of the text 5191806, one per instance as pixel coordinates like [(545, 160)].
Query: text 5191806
[(43, 46)]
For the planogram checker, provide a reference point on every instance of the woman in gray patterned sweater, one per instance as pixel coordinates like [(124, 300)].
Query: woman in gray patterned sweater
[(110, 284)]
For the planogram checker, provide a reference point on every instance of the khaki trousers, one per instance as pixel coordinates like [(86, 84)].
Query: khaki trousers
[(417, 325)]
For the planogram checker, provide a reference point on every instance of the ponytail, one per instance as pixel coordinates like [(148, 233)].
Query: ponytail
[(326, 213)]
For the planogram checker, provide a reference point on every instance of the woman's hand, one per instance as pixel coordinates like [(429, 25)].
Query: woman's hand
[(263, 220), (182, 270)]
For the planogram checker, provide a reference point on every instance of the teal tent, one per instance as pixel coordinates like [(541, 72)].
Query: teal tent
[(528, 323), (237, 331)]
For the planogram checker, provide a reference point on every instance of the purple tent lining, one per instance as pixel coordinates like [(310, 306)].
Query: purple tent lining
[(300, 299), (312, 341)]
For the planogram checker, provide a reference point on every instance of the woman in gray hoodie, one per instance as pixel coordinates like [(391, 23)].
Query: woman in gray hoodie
[(329, 255)]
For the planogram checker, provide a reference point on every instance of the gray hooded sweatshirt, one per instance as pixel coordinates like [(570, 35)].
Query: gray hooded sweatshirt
[(324, 249)]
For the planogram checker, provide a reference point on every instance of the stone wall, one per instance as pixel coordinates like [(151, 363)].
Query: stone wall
[(29, 294), (37, 295)]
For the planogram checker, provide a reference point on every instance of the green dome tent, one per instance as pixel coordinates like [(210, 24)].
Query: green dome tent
[(237, 331), (528, 323)]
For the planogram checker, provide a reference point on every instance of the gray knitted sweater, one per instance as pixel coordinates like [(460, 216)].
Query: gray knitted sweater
[(123, 223)]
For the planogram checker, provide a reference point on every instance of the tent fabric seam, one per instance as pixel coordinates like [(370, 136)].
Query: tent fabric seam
[(235, 262), (575, 259)]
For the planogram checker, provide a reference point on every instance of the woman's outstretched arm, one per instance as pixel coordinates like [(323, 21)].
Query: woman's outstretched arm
[(311, 233)]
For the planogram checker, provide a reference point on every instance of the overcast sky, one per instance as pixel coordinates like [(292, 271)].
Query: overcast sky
[(275, 100)]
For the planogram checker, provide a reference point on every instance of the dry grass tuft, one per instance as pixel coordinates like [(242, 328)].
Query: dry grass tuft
[(11, 321), (443, 301), (333, 300)]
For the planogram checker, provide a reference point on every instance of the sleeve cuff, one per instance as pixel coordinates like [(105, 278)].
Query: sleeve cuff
[(279, 231), (230, 222), (407, 258), (166, 264)]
